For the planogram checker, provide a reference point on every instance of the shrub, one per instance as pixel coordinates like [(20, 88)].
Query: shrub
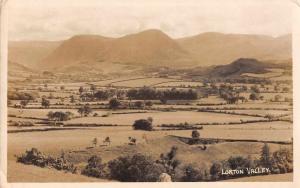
[(21, 123), (148, 103), (254, 96), (195, 134), (136, 168), (138, 104), (192, 174), (238, 163), (85, 110), (94, 168), (14, 95), (215, 170), (36, 158), (143, 124), (114, 103), (60, 116), (282, 161)]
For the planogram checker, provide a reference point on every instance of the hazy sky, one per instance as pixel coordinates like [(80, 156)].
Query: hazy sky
[(61, 19)]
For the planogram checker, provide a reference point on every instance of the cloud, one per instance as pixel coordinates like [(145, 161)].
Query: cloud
[(60, 19)]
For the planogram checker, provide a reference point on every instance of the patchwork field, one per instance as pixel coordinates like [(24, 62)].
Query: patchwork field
[(243, 124)]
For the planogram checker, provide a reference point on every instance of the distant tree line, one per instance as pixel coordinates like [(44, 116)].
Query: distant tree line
[(147, 93), (15, 95)]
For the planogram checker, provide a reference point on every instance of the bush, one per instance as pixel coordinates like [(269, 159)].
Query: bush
[(60, 116), (114, 103), (192, 174), (254, 96), (143, 124), (148, 103), (139, 104), (36, 158), (282, 161), (21, 123), (215, 170), (195, 134), (136, 168), (94, 168), (14, 95)]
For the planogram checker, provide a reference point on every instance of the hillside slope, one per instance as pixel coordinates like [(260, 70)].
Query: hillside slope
[(30, 53), (217, 48)]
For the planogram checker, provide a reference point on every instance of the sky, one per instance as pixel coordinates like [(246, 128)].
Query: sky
[(62, 19)]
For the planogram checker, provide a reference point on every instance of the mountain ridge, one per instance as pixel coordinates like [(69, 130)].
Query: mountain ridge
[(156, 48)]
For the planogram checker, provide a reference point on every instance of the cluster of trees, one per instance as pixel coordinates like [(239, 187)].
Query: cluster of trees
[(15, 95), (85, 110), (133, 168), (59, 116), (143, 124), (147, 93), (35, 157), (280, 161), (143, 168), (228, 93), (93, 94)]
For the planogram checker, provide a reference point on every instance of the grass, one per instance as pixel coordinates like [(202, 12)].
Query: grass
[(165, 118)]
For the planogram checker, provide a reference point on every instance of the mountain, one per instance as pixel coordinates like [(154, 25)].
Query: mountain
[(30, 53), (217, 48), (151, 47), (148, 48)]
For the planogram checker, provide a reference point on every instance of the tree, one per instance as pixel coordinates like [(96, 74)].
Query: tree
[(24, 103), (85, 110), (81, 90), (93, 88), (148, 103), (136, 168), (45, 103), (255, 89), (142, 124), (277, 98), (95, 141), (101, 95), (139, 104), (195, 134), (254, 96), (286, 89), (215, 170), (94, 168), (169, 161), (114, 103), (72, 99), (60, 116), (265, 156), (192, 174)]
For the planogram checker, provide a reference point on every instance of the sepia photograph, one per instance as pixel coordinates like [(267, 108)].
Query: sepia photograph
[(149, 91)]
